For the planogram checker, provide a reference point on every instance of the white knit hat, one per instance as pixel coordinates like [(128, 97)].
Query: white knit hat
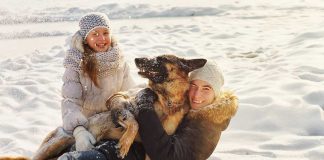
[(91, 21), (210, 73)]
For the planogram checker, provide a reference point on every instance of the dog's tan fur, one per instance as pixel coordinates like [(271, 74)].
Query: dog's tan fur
[(54, 143)]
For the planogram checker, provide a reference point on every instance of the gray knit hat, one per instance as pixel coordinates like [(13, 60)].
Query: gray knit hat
[(210, 73), (91, 21)]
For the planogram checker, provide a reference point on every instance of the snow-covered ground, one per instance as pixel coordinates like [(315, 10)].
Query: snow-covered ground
[(271, 53)]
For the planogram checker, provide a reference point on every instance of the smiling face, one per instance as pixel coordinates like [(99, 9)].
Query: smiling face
[(201, 94), (99, 39)]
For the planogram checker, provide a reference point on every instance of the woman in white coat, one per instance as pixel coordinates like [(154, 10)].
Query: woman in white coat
[(94, 70)]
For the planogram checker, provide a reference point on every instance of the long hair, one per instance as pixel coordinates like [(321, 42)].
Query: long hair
[(90, 64)]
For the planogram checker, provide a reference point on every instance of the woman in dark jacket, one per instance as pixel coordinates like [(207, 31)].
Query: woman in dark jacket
[(198, 134)]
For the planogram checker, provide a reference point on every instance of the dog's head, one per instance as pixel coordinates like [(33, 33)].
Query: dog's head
[(168, 76)]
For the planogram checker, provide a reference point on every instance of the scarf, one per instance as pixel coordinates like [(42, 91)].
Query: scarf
[(107, 62)]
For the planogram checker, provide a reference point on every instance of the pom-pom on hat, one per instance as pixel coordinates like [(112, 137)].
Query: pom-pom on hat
[(210, 73), (91, 21)]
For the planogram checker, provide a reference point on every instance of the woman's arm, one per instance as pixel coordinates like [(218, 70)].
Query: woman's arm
[(194, 139), (158, 144)]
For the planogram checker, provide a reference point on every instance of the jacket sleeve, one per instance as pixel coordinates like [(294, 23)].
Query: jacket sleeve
[(128, 81), (158, 144), (72, 101)]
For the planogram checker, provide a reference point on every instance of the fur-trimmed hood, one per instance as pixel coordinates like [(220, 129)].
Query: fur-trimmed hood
[(224, 107)]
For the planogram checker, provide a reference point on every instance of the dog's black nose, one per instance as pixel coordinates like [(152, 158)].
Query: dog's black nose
[(140, 61), (137, 60)]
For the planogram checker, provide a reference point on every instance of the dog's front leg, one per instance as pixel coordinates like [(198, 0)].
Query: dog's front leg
[(127, 120)]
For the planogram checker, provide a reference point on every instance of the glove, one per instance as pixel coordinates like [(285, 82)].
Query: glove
[(84, 140), (145, 99)]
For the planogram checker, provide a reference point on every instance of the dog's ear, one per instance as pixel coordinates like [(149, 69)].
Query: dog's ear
[(192, 64)]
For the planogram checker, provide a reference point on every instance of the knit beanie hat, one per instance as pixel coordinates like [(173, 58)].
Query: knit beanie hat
[(91, 21), (210, 73)]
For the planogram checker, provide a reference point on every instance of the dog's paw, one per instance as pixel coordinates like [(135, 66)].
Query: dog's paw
[(118, 101), (131, 129), (124, 146), (145, 98), (146, 95)]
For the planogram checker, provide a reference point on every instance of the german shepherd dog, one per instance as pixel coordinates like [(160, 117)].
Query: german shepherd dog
[(168, 79)]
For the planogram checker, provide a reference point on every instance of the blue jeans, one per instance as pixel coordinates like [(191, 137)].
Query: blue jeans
[(106, 150)]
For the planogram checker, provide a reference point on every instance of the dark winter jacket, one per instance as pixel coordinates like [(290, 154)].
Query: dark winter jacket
[(196, 137)]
